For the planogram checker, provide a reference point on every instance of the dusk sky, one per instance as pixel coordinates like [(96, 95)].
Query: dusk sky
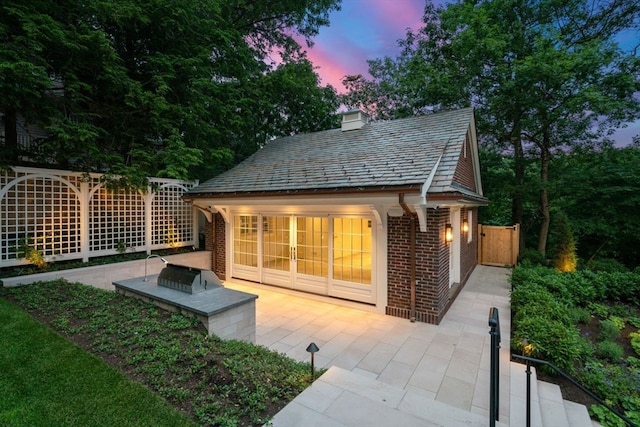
[(370, 29), (362, 30)]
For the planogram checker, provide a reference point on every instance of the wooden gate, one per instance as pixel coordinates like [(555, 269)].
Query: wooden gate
[(498, 245)]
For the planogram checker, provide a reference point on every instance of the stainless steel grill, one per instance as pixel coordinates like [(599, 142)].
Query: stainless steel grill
[(188, 279)]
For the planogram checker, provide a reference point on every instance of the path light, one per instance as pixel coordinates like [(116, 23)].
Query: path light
[(312, 348), (448, 233), (145, 264)]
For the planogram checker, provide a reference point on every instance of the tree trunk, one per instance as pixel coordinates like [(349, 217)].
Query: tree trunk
[(545, 158), (516, 201)]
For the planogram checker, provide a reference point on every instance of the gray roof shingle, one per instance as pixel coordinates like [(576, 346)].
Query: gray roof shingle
[(393, 153)]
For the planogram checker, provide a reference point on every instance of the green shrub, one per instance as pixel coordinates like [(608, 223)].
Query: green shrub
[(609, 350), (623, 287), (532, 257), (607, 265), (633, 362), (598, 309), (535, 300), (563, 243), (618, 321), (635, 341), (634, 321), (550, 340), (580, 315), (581, 287), (608, 330)]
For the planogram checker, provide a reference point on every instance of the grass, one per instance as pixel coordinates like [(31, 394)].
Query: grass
[(213, 382), (48, 381)]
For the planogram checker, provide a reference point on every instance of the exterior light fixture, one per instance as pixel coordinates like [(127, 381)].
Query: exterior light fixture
[(145, 264), (448, 233), (312, 348), (465, 226)]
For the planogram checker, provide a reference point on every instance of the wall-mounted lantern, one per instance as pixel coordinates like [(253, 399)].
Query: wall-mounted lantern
[(448, 233), (465, 226)]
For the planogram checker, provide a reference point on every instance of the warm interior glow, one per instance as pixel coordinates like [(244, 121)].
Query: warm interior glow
[(448, 233)]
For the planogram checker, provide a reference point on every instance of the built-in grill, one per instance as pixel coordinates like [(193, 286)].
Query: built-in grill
[(188, 279)]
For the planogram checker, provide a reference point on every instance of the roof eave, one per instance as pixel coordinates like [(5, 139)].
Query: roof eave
[(386, 189)]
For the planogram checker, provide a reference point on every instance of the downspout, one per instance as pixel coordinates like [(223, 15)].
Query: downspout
[(214, 263), (412, 257)]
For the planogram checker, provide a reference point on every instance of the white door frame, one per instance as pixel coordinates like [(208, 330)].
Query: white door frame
[(454, 248)]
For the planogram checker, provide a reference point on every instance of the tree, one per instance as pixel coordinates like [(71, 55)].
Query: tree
[(158, 87), (599, 190), (543, 76)]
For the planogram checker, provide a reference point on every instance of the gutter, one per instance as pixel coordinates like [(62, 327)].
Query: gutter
[(412, 257)]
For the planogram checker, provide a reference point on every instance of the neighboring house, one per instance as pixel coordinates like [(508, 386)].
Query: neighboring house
[(361, 213)]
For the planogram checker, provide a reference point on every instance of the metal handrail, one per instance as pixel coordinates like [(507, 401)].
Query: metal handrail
[(530, 360), (494, 380)]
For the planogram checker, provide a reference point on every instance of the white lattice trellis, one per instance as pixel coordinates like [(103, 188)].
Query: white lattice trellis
[(67, 215)]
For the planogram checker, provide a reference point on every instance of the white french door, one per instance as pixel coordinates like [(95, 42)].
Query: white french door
[(322, 255)]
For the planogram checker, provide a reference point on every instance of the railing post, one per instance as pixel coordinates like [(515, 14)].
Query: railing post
[(528, 371), (494, 375)]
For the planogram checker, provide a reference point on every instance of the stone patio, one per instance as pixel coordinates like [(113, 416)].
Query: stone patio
[(383, 356)]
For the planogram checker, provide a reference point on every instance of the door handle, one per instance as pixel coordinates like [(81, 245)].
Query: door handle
[(294, 253)]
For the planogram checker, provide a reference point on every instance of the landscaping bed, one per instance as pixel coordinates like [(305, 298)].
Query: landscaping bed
[(215, 382), (588, 325)]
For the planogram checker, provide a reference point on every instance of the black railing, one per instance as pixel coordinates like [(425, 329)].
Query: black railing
[(494, 380), (531, 360)]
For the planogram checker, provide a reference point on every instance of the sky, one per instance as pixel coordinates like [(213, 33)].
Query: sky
[(370, 29)]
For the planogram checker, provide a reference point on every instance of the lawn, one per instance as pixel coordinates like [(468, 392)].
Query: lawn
[(114, 360), (48, 381)]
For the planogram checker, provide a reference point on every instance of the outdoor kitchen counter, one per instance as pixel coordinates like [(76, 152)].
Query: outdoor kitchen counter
[(227, 313)]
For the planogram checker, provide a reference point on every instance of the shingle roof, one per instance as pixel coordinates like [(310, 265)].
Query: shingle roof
[(393, 153)]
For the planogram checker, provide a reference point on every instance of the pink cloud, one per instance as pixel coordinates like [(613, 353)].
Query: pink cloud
[(361, 31)]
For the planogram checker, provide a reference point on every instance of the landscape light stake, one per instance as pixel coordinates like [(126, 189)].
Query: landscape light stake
[(312, 348)]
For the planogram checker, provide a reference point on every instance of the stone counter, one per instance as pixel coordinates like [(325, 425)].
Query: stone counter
[(227, 313)]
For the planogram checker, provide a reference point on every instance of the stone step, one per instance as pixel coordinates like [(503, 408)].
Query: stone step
[(344, 398), (518, 393), (552, 405), (577, 414)]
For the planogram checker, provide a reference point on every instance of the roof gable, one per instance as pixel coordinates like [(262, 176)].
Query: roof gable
[(394, 153)]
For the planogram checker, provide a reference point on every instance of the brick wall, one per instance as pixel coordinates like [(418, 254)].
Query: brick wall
[(216, 243), (432, 268)]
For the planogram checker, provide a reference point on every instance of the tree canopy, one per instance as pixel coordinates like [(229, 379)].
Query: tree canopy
[(159, 87), (544, 77)]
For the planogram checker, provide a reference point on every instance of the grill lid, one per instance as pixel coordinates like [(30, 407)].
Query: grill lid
[(188, 279)]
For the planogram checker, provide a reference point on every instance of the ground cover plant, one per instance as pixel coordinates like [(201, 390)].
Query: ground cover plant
[(214, 382), (586, 323)]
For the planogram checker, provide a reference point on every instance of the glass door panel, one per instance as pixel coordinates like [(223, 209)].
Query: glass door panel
[(245, 240), (245, 247), (312, 246), (352, 250), (276, 243), (277, 250)]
